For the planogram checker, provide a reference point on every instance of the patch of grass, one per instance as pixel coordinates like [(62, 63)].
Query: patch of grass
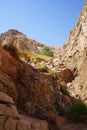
[(22, 59), (34, 56), (42, 66), (77, 111), (44, 57), (52, 73), (30, 54)]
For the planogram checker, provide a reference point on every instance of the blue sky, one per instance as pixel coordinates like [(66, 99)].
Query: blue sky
[(47, 21)]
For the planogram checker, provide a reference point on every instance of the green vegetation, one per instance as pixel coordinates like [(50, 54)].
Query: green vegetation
[(78, 111), (38, 59), (47, 51), (22, 59), (52, 73), (34, 56), (28, 53), (42, 66)]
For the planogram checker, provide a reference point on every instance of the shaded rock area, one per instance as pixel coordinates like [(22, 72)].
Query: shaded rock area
[(73, 127), (35, 93), (10, 119)]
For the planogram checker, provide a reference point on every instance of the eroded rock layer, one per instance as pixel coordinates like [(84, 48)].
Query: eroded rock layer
[(10, 119)]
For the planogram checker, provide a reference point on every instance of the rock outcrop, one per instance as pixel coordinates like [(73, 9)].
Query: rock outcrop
[(19, 40), (33, 92), (75, 56), (10, 119)]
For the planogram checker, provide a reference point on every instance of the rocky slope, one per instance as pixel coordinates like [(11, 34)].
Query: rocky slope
[(28, 93), (34, 93), (20, 41)]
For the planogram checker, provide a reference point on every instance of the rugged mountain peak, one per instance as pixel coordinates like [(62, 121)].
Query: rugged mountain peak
[(11, 32), (20, 40)]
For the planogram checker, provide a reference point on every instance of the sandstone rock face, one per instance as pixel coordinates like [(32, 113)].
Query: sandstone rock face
[(73, 127), (66, 75), (33, 92), (74, 57), (7, 107), (10, 119), (8, 72)]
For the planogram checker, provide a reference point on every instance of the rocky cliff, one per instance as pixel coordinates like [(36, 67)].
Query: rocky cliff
[(75, 56)]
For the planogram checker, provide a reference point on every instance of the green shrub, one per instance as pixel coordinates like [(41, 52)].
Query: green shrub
[(43, 67), (77, 111), (52, 73), (47, 51), (22, 59)]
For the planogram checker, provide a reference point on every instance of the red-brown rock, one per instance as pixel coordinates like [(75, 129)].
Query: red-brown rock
[(66, 75)]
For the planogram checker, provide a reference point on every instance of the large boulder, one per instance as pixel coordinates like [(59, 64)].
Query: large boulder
[(66, 75)]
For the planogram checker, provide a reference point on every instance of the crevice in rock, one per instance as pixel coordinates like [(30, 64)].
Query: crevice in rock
[(5, 122), (17, 126), (8, 104)]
